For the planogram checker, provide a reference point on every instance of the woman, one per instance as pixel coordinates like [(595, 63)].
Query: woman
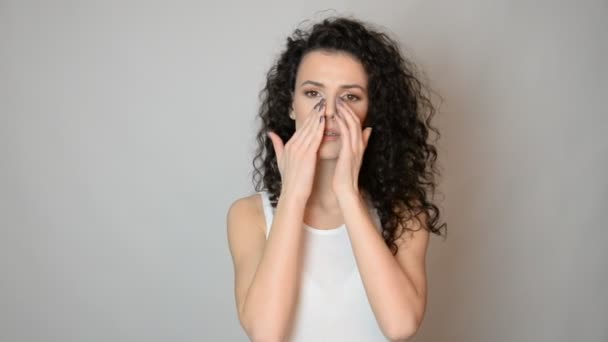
[(332, 246)]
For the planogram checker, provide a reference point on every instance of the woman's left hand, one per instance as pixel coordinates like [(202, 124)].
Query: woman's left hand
[(354, 142)]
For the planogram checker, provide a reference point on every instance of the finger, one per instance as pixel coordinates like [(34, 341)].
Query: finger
[(309, 124), (344, 132), (318, 136), (319, 104), (366, 134), (353, 124), (302, 129), (320, 119), (277, 144), (312, 124), (347, 108)]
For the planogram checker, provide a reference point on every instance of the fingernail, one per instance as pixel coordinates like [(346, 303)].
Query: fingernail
[(321, 118), (321, 104)]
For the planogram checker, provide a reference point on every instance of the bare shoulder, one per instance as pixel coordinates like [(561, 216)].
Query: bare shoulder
[(246, 216), (245, 225)]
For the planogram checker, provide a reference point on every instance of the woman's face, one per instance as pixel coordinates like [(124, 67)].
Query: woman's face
[(329, 75)]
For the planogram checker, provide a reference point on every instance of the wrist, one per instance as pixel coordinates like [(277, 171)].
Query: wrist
[(349, 198), (292, 200)]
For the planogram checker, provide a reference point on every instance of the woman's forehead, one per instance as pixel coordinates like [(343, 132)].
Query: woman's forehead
[(333, 68)]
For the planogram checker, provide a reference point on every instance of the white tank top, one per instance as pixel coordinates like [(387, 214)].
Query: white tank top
[(332, 304)]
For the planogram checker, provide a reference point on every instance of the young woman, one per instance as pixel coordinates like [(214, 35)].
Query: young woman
[(332, 246)]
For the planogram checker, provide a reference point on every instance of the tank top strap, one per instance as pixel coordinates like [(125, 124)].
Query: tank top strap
[(268, 210)]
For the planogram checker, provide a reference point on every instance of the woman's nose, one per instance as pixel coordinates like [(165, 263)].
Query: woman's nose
[(330, 108)]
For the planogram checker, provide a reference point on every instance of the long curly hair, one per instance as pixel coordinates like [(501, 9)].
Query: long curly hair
[(398, 168)]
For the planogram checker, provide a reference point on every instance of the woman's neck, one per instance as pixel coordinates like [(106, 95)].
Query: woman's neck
[(322, 195)]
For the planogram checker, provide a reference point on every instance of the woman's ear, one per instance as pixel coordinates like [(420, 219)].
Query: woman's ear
[(292, 113)]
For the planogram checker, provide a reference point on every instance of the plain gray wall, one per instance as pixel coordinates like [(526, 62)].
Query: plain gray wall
[(126, 131)]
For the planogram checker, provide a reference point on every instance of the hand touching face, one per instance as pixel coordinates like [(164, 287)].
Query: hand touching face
[(330, 75)]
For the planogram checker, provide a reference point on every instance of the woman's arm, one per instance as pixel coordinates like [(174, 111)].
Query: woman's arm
[(266, 271), (395, 285), (266, 286)]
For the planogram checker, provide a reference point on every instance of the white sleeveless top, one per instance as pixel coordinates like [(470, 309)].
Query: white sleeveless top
[(332, 304)]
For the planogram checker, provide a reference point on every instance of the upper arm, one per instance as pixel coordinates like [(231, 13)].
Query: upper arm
[(411, 255), (246, 241)]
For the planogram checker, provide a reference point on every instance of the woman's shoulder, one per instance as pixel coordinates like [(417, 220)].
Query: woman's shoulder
[(249, 205), (247, 209)]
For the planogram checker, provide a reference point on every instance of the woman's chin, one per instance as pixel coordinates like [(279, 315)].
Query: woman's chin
[(328, 153)]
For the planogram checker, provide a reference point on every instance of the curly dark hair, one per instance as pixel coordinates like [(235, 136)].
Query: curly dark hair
[(398, 167)]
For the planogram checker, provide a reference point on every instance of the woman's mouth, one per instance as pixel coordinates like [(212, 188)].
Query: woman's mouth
[(330, 135)]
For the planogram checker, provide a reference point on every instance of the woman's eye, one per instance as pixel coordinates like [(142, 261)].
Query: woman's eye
[(352, 97), (311, 93)]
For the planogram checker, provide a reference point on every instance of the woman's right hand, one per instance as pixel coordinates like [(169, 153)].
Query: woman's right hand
[(297, 159)]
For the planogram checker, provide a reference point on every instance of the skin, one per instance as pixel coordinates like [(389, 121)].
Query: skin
[(266, 271), (330, 76)]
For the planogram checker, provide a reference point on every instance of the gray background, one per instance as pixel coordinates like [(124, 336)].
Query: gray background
[(126, 131)]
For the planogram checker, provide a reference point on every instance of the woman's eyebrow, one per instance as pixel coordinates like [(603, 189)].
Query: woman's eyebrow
[(345, 86)]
